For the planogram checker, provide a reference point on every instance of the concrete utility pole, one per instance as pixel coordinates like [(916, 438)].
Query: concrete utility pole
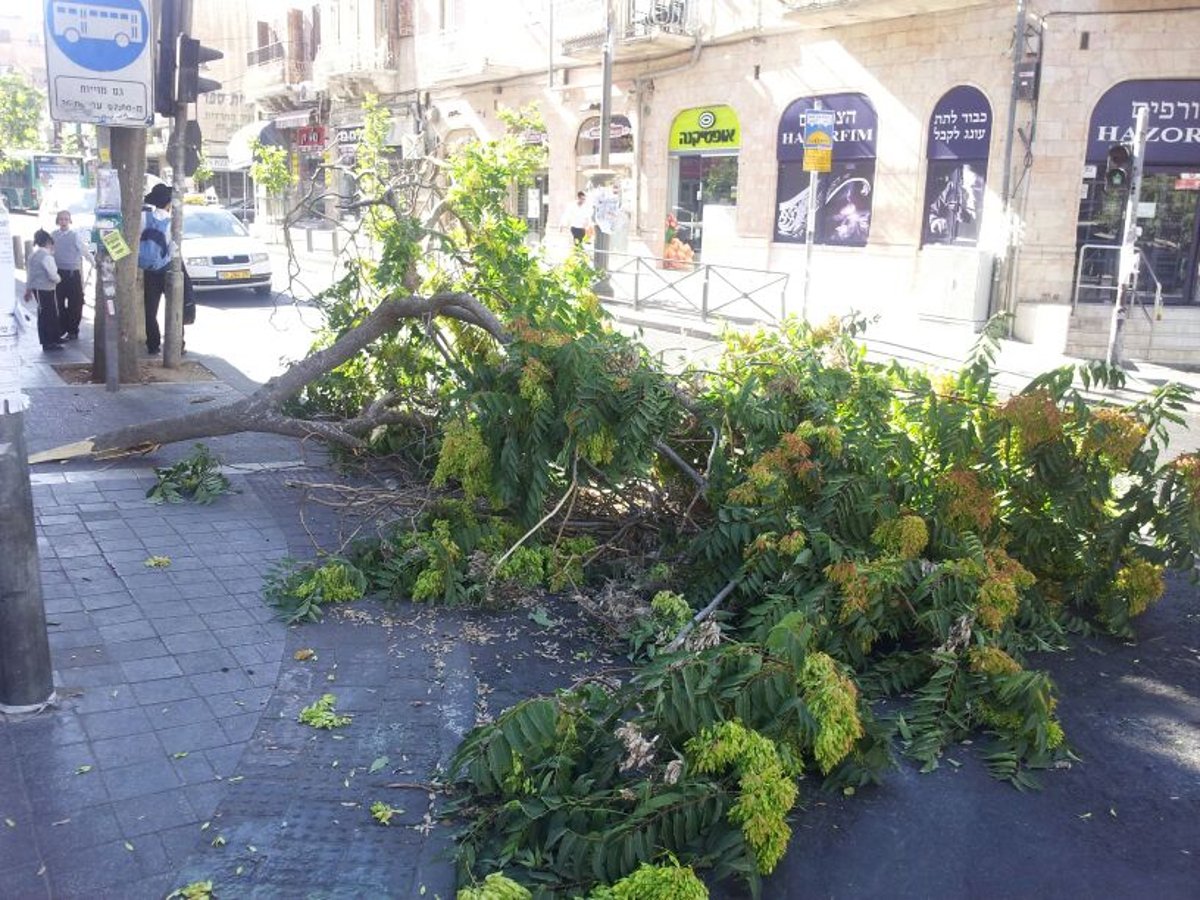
[(1129, 265), (26, 676), (173, 316)]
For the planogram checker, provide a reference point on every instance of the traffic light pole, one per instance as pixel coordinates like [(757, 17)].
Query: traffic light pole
[(1129, 263), (26, 674), (173, 316)]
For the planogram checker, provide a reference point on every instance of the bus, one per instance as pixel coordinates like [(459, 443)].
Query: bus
[(23, 185), (74, 20)]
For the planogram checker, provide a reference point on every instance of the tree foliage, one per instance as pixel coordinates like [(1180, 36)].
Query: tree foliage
[(21, 109), (831, 531)]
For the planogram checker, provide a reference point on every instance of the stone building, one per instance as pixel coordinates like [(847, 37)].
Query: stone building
[(967, 170)]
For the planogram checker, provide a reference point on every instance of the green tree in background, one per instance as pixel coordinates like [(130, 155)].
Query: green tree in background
[(21, 108)]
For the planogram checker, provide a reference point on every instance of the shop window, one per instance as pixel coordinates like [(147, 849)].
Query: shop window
[(957, 147), (844, 195), (620, 136), (704, 144), (1169, 207)]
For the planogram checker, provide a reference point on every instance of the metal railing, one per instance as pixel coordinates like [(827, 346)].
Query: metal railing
[(263, 55), (1111, 286), (727, 292)]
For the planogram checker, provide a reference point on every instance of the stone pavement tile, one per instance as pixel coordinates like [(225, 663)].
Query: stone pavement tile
[(220, 682), (180, 841), (150, 669), (231, 617), (116, 615), (237, 703), (194, 769), (58, 605), (178, 624), (92, 871), (224, 760), (93, 601), (61, 639), (116, 723), (246, 634), (206, 661), (100, 700), (190, 642), (74, 657), (197, 735), (127, 631), (98, 676), (150, 776), (239, 729), (86, 827), (154, 812), (204, 794), (133, 650), (177, 713), (22, 877), (127, 749), (74, 621), (163, 690), (56, 794)]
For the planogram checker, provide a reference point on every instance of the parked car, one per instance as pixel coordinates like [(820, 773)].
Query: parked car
[(220, 253), (242, 208)]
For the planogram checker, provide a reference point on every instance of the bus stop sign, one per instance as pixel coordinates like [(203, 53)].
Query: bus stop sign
[(100, 61)]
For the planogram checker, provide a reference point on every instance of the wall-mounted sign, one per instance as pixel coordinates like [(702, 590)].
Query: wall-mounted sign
[(620, 136), (705, 129), (959, 143), (348, 134), (845, 194), (99, 61), (853, 131), (1173, 133), (310, 137)]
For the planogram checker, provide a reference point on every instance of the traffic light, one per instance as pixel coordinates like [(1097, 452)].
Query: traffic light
[(192, 143), (164, 72), (190, 55), (1118, 169)]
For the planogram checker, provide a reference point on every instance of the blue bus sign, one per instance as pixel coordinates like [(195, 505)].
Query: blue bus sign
[(99, 61)]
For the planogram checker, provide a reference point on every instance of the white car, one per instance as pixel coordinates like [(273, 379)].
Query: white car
[(219, 252)]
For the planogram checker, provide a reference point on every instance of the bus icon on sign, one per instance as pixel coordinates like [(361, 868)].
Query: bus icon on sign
[(73, 21)]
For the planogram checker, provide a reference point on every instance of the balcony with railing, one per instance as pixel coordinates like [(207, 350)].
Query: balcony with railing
[(358, 69), (828, 13), (476, 54), (642, 27), (277, 75)]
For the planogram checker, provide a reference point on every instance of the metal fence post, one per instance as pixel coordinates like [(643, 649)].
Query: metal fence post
[(704, 296), (637, 280)]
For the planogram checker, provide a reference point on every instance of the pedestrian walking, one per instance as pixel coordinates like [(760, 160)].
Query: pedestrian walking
[(579, 218), (41, 278), (70, 250)]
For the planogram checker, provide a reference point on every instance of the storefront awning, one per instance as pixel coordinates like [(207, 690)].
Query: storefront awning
[(240, 151), (294, 119)]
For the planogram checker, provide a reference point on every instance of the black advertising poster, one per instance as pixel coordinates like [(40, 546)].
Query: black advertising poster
[(845, 194), (960, 136)]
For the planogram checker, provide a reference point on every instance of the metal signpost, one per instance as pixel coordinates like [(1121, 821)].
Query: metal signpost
[(1128, 265), (818, 157), (26, 676)]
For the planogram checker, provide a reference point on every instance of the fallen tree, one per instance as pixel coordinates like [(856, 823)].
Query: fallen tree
[(799, 532)]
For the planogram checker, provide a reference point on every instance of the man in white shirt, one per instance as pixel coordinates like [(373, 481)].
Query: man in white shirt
[(70, 250), (579, 218)]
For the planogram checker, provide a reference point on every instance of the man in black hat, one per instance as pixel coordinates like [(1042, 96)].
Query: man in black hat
[(154, 259)]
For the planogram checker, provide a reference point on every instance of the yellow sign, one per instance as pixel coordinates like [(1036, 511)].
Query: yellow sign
[(705, 129), (818, 159), (114, 243)]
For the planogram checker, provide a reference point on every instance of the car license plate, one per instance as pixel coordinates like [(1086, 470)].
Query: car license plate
[(233, 275)]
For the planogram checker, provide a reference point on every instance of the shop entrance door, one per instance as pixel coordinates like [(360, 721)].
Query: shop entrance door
[(1169, 241)]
